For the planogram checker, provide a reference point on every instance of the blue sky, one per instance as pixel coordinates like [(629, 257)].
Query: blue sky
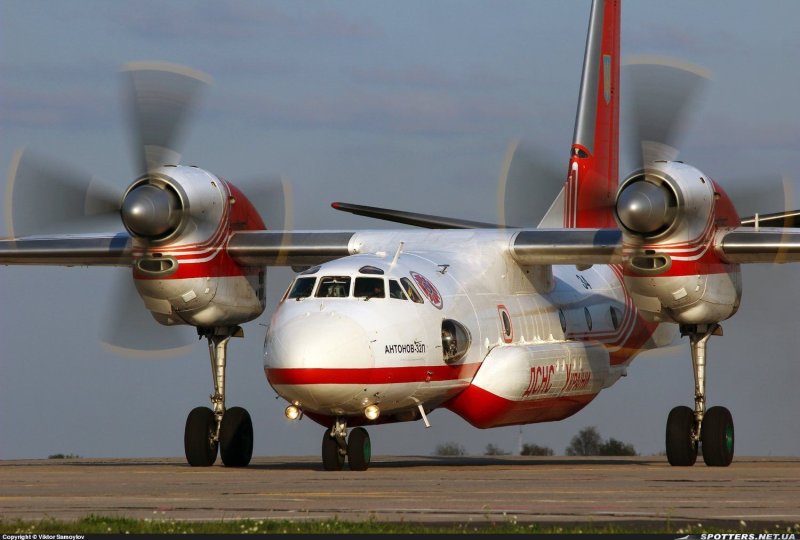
[(402, 104)]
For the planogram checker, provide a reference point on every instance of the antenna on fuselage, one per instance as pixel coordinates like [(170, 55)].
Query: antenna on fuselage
[(397, 253)]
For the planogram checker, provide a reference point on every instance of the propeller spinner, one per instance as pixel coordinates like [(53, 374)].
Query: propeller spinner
[(150, 211)]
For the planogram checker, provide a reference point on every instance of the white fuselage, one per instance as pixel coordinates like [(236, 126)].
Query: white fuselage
[(556, 333)]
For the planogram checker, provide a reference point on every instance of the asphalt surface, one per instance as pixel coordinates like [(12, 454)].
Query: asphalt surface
[(412, 489)]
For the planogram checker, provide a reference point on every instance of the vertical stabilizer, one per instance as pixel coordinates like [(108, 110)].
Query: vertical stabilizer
[(594, 161)]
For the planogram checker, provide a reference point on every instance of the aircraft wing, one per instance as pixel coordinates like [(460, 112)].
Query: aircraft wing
[(68, 250), (567, 246), (288, 248), (302, 248), (248, 248), (761, 245), (743, 245)]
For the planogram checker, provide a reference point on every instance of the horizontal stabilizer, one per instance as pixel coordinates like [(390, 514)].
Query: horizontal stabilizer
[(412, 218), (778, 219), (762, 245)]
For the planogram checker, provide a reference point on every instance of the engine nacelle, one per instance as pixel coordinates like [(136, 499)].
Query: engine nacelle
[(669, 215), (175, 205), (183, 275)]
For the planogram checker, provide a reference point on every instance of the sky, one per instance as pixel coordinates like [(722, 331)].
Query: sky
[(409, 105)]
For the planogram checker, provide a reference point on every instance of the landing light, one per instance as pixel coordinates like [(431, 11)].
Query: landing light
[(293, 412), (372, 412)]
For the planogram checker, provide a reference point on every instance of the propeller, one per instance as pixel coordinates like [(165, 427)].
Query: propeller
[(272, 197), (130, 330), (663, 97), (44, 196), (529, 182), (660, 98), (161, 98)]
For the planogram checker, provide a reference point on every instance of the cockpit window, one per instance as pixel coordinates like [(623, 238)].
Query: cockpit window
[(369, 287), (410, 290), (334, 287), (370, 270), (396, 291), (302, 288)]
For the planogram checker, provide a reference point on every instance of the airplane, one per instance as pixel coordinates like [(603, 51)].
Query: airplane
[(502, 325)]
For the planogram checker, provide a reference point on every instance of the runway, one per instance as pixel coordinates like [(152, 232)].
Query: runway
[(412, 489)]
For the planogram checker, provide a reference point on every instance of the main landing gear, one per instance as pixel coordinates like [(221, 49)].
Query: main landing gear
[(231, 430), (337, 446), (712, 430)]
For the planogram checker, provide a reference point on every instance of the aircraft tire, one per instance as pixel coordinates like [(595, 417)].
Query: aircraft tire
[(681, 449), (359, 449), (198, 437), (332, 459), (236, 438), (717, 437)]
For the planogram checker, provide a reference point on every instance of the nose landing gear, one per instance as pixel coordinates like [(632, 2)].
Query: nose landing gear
[(687, 429), (230, 431), (337, 446)]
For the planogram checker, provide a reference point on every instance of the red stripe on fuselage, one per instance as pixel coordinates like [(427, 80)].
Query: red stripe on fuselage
[(383, 375)]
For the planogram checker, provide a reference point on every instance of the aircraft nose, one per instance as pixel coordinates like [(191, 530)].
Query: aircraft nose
[(312, 358)]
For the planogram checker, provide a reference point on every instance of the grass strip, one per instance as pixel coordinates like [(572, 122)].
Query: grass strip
[(120, 525)]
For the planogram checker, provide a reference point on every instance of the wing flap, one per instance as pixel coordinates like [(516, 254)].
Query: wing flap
[(288, 248), (762, 245)]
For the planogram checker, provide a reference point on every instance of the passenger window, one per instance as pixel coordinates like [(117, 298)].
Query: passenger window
[(302, 288), (412, 293), (395, 290), (369, 287), (334, 287)]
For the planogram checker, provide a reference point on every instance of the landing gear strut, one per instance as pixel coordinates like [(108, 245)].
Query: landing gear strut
[(687, 428), (229, 430), (337, 446)]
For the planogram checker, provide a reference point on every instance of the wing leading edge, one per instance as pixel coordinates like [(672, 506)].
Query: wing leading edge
[(68, 250), (762, 245), (743, 245)]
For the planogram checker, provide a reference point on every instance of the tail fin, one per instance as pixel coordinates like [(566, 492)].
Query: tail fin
[(594, 162)]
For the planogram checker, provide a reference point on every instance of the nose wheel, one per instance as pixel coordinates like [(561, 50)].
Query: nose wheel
[(338, 447), (229, 431), (689, 429)]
